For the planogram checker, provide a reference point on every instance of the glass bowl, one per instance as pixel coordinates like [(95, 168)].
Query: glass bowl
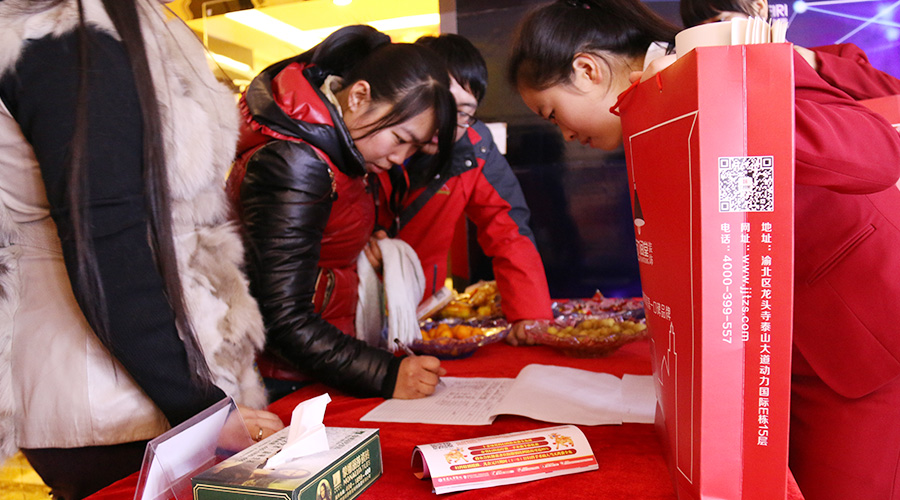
[(588, 337), (449, 347)]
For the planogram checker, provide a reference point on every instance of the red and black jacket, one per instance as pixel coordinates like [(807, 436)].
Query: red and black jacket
[(300, 188), (479, 182)]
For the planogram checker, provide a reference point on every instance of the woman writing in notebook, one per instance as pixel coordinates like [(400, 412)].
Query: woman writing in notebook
[(314, 126)]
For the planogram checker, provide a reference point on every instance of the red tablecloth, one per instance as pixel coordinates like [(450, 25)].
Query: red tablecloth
[(630, 457)]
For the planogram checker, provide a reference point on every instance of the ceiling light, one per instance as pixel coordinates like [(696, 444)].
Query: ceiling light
[(231, 63), (396, 23), (307, 39), (399, 23), (269, 25)]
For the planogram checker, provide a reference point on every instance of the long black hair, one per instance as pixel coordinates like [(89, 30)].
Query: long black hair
[(126, 19), (410, 78), (548, 38)]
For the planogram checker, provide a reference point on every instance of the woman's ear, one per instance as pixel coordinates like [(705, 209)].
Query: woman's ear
[(760, 7), (586, 71), (359, 96)]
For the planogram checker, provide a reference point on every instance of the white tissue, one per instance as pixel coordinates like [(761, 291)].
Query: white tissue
[(307, 432)]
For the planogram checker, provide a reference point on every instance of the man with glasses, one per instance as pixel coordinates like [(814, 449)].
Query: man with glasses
[(422, 207)]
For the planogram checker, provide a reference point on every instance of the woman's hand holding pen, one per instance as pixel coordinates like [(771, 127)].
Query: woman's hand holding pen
[(418, 376)]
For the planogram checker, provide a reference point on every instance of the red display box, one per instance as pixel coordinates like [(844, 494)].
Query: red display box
[(710, 153)]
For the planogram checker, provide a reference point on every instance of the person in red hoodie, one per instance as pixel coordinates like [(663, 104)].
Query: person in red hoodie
[(314, 127), (476, 182), (845, 377), (841, 439)]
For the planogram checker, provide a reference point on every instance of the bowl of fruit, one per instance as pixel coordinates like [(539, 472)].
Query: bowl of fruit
[(456, 338), (478, 301), (463, 323), (589, 338), (592, 328)]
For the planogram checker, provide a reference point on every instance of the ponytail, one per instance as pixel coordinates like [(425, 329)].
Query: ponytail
[(345, 49), (549, 38), (410, 78)]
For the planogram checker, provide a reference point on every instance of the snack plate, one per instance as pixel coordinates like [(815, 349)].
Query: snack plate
[(450, 348), (598, 306), (592, 328), (584, 346)]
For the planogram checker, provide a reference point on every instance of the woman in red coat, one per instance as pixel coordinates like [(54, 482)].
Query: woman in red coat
[(845, 442), (845, 389), (313, 127)]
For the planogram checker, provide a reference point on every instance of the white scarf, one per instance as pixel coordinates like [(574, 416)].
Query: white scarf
[(402, 288)]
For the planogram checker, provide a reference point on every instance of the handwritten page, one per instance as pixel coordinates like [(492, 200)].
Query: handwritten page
[(543, 392), (459, 401)]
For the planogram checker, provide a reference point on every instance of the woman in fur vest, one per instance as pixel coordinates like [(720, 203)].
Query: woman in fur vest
[(123, 310)]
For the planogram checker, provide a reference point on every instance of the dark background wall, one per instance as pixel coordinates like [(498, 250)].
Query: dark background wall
[(578, 196), (580, 207)]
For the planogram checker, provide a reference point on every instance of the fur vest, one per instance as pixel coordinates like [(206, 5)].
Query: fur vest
[(225, 317)]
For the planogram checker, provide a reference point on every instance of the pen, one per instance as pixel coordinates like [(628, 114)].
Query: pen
[(434, 281), (410, 352)]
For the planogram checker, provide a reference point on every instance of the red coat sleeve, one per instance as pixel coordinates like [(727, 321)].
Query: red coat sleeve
[(497, 207), (847, 67), (841, 145)]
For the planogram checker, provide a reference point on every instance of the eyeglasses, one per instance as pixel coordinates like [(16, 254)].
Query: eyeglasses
[(464, 120)]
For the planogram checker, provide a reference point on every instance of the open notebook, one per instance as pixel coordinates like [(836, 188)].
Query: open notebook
[(548, 393)]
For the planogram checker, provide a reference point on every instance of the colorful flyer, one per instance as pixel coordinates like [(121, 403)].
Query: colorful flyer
[(503, 459)]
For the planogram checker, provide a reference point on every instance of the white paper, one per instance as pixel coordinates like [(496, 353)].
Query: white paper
[(435, 303), (459, 401), (566, 395), (779, 30), (543, 392), (639, 397), (307, 432), (703, 35), (739, 31)]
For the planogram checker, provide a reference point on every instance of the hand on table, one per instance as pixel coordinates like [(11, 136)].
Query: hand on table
[(418, 377), (518, 333), (260, 423), (373, 251)]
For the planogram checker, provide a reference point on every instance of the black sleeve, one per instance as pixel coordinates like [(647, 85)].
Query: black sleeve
[(41, 94), (285, 204)]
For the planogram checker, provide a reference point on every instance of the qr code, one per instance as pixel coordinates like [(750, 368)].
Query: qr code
[(746, 184)]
